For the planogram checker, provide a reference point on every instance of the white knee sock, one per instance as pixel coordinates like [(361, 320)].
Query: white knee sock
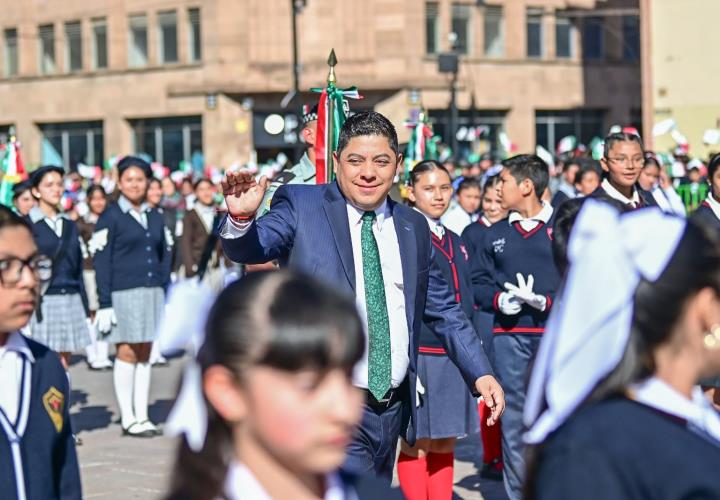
[(123, 378), (91, 348), (101, 352), (142, 391)]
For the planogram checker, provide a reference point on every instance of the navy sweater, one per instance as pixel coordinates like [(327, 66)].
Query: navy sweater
[(646, 197), (68, 273), (128, 255), (47, 448), (452, 258), (506, 251)]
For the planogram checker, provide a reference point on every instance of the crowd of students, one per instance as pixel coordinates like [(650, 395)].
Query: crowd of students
[(595, 297)]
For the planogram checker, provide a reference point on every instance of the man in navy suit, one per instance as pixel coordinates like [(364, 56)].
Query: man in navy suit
[(350, 234)]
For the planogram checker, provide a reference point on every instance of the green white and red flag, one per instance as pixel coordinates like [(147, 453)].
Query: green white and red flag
[(13, 171)]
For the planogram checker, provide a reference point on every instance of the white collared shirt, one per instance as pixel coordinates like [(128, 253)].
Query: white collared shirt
[(140, 216), (435, 226), (698, 411), (241, 484), (614, 193), (456, 219), (389, 249), (11, 364), (531, 223), (207, 215), (55, 223)]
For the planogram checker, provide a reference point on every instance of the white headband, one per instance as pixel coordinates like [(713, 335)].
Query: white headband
[(183, 324), (589, 327)]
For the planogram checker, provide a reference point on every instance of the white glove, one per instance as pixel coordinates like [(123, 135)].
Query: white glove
[(509, 304), (104, 320), (524, 292)]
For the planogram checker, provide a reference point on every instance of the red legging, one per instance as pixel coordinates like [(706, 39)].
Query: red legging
[(490, 435)]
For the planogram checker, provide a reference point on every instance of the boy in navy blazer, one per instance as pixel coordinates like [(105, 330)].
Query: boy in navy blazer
[(37, 451), (351, 235)]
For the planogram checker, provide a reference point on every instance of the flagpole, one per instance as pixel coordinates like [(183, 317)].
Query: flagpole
[(330, 133)]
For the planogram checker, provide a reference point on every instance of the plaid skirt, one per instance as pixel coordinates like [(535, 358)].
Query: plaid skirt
[(64, 326), (138, 312)]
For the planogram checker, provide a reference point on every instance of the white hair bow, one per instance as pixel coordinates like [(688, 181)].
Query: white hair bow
[(589, 328)]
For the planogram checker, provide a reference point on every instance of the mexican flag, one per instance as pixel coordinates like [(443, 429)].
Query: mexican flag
[(13, 171)]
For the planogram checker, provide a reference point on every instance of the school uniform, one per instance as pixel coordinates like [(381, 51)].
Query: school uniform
[(456, 219), (474, 238), (132, 265), (37, 451), (447, 409), (639, 199), (516, 245), (656, 446), (61, 323)]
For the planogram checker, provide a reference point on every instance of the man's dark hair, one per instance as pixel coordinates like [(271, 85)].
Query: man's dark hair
[(531, 167), (368, 123)]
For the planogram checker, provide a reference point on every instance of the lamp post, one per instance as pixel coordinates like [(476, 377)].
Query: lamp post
[(296, 6), (448, 63)]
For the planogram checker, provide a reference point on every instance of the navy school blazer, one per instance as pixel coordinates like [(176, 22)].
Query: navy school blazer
[(47, 449), (307, 229)]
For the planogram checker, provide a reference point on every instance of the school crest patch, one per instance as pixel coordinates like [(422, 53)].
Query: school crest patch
[(465, 253), (498, 245), (550, 233), (54, 403)]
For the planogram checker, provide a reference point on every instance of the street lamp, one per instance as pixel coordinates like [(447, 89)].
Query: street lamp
[(296, 6), (448, 63)]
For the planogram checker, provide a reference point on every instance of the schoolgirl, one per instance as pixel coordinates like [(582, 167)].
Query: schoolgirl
[(132, 270), (446, 409), (22, 197), (60, 321), (97, 350), (474, 236), (274, 386), (37, 453), (467, 204), (622, 162), (629, 422)]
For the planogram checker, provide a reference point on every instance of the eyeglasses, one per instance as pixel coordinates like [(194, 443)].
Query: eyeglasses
[(11, 269), (622, 160)]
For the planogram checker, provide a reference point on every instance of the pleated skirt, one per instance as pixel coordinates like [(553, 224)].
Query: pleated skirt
[(138, 312), (64, 326)]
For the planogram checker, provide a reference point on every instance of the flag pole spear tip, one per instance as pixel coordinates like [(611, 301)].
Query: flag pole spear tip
[(332, 61)]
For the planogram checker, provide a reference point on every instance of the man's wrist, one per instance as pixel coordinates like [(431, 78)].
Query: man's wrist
[(241, 217)]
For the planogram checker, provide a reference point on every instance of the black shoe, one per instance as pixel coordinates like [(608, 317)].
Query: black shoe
[(136, 430), (492, 471)]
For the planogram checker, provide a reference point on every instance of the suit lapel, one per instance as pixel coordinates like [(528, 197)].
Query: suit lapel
[(336, 211), (408, 257)]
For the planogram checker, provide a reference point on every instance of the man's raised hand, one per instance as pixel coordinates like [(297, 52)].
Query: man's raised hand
[(243, 194)]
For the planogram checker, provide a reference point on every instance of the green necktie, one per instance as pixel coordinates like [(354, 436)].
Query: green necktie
[(379, 359)]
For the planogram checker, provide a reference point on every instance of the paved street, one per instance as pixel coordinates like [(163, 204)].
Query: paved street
[(114, 467)]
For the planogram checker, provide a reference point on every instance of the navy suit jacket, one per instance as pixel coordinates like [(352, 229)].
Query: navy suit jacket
[(307, 229)]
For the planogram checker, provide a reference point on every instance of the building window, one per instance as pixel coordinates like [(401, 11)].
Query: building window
[(494, 31), (138, 50), (564, 37), (195, 35), (432, 32), (461, 27), (168, 140), (593, 38), (11, 52), (534, 33), (71, 144), (99, 43), (167, 37), (47, 49), (73, 46), (584, 124), (631, 38)]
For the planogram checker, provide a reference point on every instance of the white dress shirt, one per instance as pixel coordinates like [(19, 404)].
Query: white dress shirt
[(435, 226), (531, 223), (11, 364), (55, 223), (614, 193), (241, 484), (140, 216), (391, 264), (456, 219)]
